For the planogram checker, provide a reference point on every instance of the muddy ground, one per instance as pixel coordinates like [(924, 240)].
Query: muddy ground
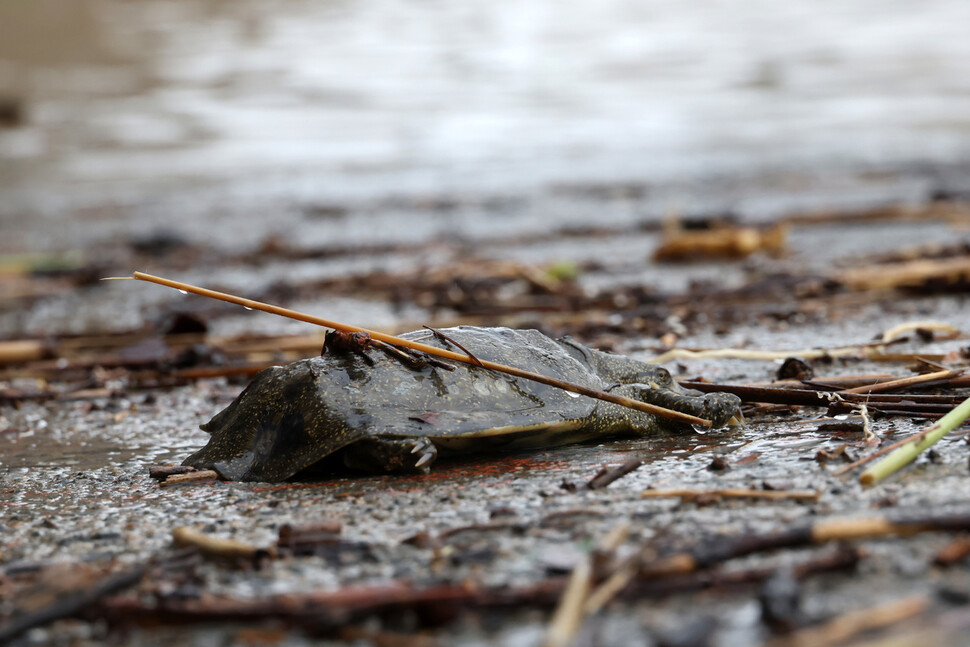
[(536, 202), (112, 393)]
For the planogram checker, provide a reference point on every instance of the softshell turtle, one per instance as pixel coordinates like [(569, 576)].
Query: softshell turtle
[(377, 413)]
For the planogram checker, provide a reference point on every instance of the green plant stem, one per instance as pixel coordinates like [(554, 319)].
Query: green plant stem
[(922, 441)]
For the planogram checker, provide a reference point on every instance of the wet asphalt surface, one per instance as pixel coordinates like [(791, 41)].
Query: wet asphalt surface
[(383, 179)]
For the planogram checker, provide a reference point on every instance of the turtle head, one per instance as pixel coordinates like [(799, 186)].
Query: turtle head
[(720, 408)]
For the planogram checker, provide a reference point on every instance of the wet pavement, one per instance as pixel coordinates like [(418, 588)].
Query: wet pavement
[(192, 139)]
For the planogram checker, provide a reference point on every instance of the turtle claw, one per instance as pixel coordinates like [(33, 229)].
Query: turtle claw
[(428, 453), (421, 445), (383, 455), (425, 459)]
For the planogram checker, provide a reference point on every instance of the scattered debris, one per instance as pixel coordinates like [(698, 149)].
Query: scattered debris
[(569, 614), (466, 358), (853, 623), (721, 241), (795, 368), (106, 377), (11, 112), (839, 453), (306, 538), (718, 464), (162, 472), (926, 275), (220, 547), (607, 475), (708, 496), (193, 476), (953, 553), (923, 328), (71, 603), (344, 341)]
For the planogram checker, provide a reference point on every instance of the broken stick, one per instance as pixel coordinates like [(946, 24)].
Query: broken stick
[(803, 496), (431, 350), (211, 546)]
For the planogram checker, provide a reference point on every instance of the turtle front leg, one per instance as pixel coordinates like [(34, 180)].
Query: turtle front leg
[(383, 455)]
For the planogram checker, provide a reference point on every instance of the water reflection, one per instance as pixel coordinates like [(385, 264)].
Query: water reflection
[(162, 88)]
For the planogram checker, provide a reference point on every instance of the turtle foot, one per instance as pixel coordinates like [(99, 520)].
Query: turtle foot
[(383, 455)]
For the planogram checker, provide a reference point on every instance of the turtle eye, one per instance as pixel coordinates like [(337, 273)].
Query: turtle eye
[(662, 375)]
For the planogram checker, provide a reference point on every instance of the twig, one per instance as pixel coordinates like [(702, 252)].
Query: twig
[(911, 274), (412, 362), (413, 359), (478, 527), (162, 472), (867, 431), (938, 376), (569, 614), (199, 476), (819, 532), (896, 331), (726, 241), (904, 454), (325, 611), (356, 635), (73, 603), (607, 475), (290, 535), (953, 553), (888, 404), (615, 583), (317, 538), (772, 395), (218, 546), (440, 335), (872, 352), (614, 538), (431, 350), (316, 611), (649, 585), (204, 372), (807, 496), (845, 382), (743, 353), (622, 573), (844, 627)]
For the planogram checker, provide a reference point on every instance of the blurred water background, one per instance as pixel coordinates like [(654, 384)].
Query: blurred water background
[(120, 114)]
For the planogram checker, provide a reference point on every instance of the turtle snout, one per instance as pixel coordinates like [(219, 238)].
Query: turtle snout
[(719, 408)]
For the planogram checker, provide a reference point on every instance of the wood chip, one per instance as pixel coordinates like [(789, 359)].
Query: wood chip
[(202, 476)]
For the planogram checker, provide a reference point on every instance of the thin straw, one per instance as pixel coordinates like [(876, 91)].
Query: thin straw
[(431, 350)]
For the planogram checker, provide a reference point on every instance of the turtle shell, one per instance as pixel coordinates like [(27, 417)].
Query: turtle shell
[(290, 417)]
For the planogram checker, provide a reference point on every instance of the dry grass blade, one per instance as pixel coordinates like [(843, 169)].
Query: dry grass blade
[(864, 350), (904, 382), (903, 328), (911, 274), (612, 586), (569, 614), (431, 350)]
